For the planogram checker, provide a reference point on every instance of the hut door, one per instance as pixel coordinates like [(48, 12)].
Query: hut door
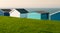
[(6, 14), (45, 16)]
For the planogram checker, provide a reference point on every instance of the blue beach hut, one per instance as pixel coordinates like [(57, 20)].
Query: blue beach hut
[(55, 16), (6, 12), (1, 13)]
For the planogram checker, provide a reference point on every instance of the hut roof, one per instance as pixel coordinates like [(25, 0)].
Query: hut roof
[(41, 12), (22, 10), (6, 10)]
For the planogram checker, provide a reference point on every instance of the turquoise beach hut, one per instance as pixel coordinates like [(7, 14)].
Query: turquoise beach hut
[(38, 15)]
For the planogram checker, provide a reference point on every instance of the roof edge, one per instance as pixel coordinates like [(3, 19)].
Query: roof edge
[(54, 13)]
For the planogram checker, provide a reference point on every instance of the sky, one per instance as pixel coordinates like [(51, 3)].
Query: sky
[(29, 3)]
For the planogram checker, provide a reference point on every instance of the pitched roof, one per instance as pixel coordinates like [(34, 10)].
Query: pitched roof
[(22, 10), (6, 10)]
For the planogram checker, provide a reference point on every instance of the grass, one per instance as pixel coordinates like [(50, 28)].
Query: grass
[(23, 25)]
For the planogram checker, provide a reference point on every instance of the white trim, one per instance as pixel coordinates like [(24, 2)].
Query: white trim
[(11, 10), (49, 17), (52, 14), (55, 13)]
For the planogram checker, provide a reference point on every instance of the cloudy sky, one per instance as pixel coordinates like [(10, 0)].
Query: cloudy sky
[(29, 3)]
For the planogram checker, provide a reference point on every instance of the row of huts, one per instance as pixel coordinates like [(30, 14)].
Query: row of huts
[(23, 13)]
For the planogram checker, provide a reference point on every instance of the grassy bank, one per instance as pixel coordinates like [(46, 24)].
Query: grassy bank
[(23, 25)]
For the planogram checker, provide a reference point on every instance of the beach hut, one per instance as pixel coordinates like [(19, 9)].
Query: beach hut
[(1, 13), (38, 15), (19, 13), (55, 16), (6, 12)]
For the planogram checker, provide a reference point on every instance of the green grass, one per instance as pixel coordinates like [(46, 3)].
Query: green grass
[(23, 25)]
